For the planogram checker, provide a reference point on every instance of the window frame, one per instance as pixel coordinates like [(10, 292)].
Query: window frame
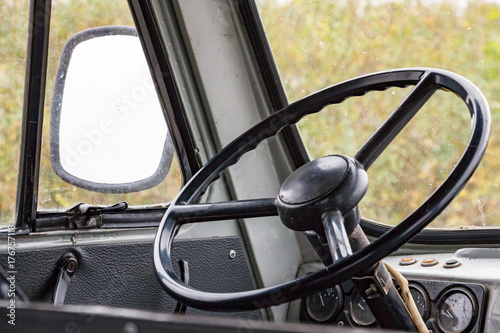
[(27, 217), (31, 128)]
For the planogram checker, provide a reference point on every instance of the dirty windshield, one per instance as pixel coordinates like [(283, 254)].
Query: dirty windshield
[(67, 19), (319, 43)]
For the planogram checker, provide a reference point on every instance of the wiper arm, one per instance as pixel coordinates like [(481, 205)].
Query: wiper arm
[(84, 209), (84, 215)]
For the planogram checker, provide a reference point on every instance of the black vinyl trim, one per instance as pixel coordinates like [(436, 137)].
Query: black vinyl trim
[(157, 59), (47, 221), (33, 104), (121, 275), (439, 237), (132, 218), (270, 75)]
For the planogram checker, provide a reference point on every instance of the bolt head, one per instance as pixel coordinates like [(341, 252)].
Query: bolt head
[(71, 266)]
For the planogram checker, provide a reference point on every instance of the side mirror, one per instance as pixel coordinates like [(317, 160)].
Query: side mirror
[(108, 132)]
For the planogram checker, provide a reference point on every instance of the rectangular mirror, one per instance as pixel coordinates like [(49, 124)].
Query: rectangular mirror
[(108, 132)]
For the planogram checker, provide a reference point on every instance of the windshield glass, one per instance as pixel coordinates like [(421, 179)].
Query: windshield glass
[(13, 41), (319, 43), (68, 19)]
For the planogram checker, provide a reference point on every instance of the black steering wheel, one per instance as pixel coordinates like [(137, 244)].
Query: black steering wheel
[(345, 178)]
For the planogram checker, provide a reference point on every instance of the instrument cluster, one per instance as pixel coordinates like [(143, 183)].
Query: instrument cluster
[(446, 307)]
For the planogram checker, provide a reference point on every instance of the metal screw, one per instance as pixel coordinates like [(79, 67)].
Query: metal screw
[(372, 290), (232, 254), (71, 266)]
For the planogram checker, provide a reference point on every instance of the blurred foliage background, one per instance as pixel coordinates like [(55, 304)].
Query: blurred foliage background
[(320, 43), (13, 37), (68, 18), (315, 44)]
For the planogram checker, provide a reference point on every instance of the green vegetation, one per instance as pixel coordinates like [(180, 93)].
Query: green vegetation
[(68, 18), (320, 43), (316, 44), (13, 34)]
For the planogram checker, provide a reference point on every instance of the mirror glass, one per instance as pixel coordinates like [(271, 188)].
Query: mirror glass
[(108, 130)]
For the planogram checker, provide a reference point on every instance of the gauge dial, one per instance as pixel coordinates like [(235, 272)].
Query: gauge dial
[(323, 305), (456, 310), (421, 300), (360, 312)]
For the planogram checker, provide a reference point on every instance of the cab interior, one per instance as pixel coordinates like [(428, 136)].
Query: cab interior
[(239, 165)]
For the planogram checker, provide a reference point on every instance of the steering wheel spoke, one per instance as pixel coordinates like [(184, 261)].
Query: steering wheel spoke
[(228, 210), (399, 118)]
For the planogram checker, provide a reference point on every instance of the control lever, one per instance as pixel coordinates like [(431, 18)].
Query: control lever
[(67, 266), (375, 284), (184, 266), (335, 232)]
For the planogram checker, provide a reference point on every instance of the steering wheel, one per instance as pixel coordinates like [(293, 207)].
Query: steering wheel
[(329, 184)]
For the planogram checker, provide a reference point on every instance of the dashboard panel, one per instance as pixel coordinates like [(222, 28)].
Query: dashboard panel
[(446, 307), (454, 292)]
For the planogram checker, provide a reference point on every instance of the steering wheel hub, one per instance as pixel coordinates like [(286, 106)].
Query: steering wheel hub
[(330, 183), (313, 180)]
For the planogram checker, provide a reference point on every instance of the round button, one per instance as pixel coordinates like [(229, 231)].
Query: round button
[(452, 263), (405, 261), (429, 262)]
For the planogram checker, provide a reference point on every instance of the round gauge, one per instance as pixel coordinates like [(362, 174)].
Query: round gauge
[(421, 299), (456, 310), (360, 312), (322, 305)]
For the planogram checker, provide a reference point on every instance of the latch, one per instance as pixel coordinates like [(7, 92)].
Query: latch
[(67, 266), (87, 216)]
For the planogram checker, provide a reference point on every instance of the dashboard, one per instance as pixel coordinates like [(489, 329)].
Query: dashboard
[(454, 293), (445, 306)]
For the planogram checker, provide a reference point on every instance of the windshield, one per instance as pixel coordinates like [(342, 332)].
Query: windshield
[(67, 19), (319, 43)]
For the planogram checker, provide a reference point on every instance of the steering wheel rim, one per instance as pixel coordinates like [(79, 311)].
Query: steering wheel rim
[(183, 210)]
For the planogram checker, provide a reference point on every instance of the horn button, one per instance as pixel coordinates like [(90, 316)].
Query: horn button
[(329, 183)]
